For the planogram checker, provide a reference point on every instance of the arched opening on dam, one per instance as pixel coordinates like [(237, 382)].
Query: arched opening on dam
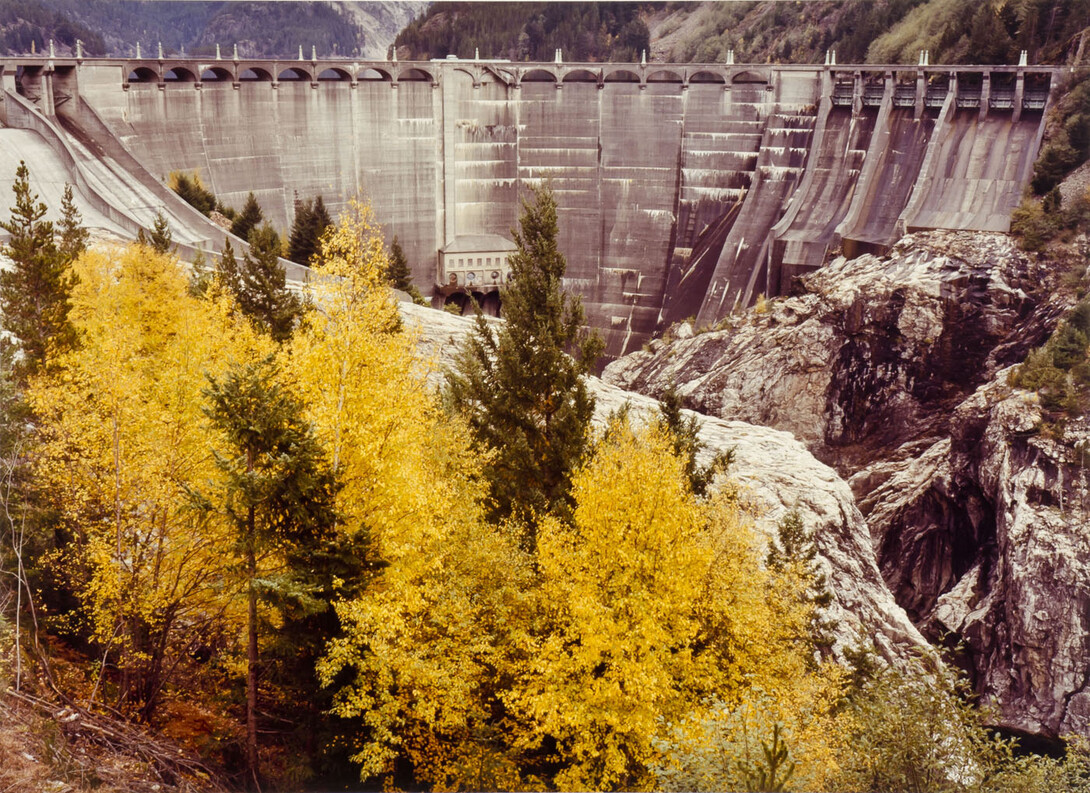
[(874, 88), (216, 74), (710, 78), (142, 74), (622, 76), (414, 76), (843, 89), (335, 75), (539, 76), (179, 74), (664, 76), (467, 303), (749, 78), (292, 74), (255, 75), (580, 76), (375, 75), (904, 90)]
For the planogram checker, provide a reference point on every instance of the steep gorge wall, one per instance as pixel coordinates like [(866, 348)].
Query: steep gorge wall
[(675, 194)]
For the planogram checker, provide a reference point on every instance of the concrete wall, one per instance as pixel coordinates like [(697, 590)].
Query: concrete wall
[(674, 184)]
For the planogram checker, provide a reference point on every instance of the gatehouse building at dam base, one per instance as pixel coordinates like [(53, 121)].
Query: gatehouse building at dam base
[(684, 190)]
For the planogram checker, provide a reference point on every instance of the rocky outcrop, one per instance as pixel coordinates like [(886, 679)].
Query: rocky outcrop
[(984, 537), (875, 353), (779, 475)]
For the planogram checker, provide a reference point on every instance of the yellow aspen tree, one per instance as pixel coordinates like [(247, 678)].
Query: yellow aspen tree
[(123, 440), (423, 643), (658, 607)]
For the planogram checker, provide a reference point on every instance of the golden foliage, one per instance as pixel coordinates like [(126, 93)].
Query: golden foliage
[(123, 438), (658, 603), (485, 670), (417, 640)]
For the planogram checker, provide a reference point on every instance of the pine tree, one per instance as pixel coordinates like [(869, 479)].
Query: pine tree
[(193, 191), (400, 275), (161, 239), (34, 291), (73, 235), (794, 546), (322, 220), (227, 268), (260, 284), (687, 444), (278, 496), (311, 221), (248, 219), (521, 391), (200, 275)]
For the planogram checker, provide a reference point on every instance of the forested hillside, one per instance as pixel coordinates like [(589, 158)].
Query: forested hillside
[(259, 28), (878, 31), (28, 25), (527, 31), (882, 31)]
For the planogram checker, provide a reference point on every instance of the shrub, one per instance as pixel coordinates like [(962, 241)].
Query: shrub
[(190, 188)]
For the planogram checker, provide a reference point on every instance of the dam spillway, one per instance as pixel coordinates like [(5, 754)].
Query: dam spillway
[(683, 190)]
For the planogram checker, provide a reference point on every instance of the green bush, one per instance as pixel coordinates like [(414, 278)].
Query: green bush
[(1032, 226), (1060, 369), (193, 191)]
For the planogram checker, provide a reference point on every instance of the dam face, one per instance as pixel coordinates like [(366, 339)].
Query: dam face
[(683, 190)]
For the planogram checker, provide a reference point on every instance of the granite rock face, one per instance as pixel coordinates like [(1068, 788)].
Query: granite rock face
[(894, 368), (876, 353), (984, 537), (778, 474)]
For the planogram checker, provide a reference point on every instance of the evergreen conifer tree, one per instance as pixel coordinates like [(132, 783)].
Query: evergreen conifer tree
[(260, 284), (278, 496), (299, 244), (400, 275), (73, 235), (687, 444), (311, 221), (200, 274), (248, 218), (34, 290), (227, 268), (520, 389), (794, 546), (322, 220), (193, 191), (161, 239)]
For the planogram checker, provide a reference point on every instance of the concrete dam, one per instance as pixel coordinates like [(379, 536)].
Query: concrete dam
[(684, 190)]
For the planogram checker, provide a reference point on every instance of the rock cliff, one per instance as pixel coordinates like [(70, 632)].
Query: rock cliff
[(876, 352), (894, 369), (983, 538)]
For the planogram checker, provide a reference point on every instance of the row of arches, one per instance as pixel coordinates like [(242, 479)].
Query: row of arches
[(219, 74), (273, 72), (629, 76)]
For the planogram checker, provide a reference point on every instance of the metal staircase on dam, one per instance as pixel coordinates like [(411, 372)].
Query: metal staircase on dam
[(683, 189)]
